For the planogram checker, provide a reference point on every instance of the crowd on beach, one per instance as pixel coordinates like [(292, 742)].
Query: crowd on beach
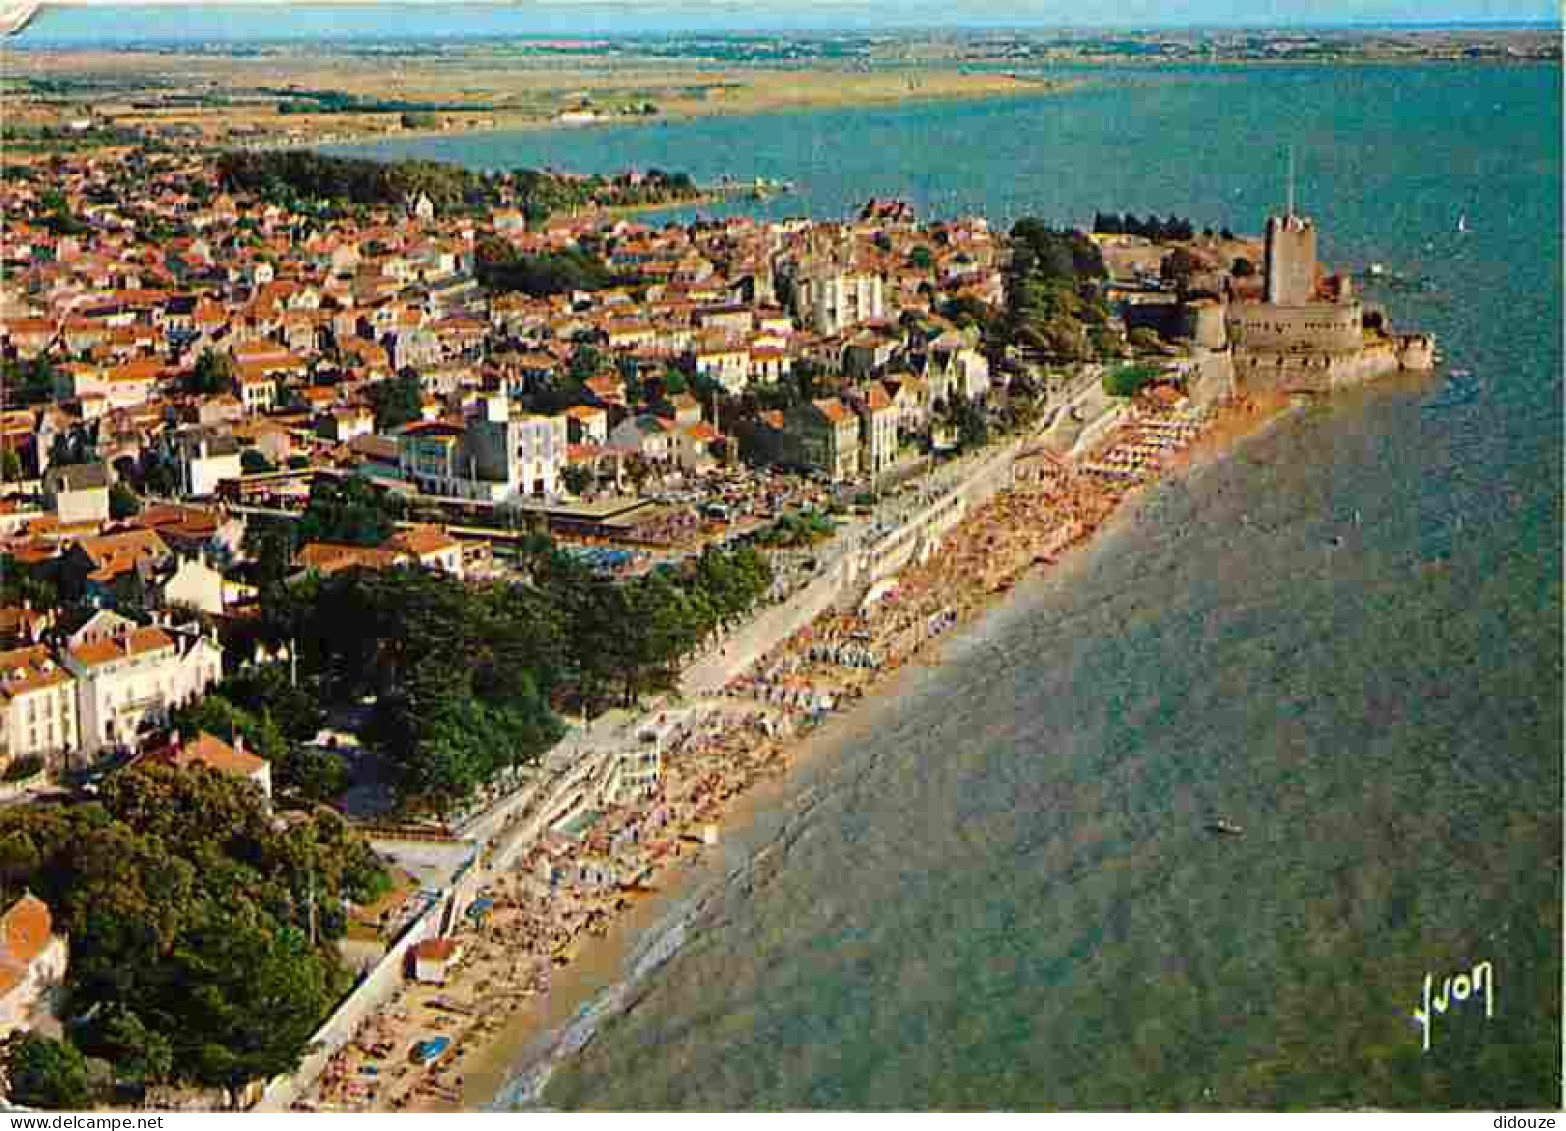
[(568, 885)]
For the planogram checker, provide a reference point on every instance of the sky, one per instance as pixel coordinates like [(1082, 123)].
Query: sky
[(1075, 13)]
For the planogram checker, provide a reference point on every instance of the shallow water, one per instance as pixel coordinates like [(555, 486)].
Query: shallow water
[(1346, 638)]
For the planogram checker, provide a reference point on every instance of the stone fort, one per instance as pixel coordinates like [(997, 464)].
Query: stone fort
[(1300, 332)]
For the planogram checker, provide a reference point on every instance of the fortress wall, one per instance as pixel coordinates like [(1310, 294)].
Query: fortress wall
[(1312, 372), (1318, 327)]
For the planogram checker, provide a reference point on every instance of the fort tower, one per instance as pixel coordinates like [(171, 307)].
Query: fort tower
[(1291, 260)]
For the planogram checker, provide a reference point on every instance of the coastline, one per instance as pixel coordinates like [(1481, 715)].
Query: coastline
[(525, 1017), (526, 1048), (694, 112)]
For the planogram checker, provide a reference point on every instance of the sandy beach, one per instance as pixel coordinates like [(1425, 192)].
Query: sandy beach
[(568, 916)]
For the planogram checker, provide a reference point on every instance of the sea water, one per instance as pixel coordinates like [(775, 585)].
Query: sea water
[(1346, 638)]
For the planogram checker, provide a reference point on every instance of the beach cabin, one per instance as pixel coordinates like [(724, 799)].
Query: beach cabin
[(434, 959)]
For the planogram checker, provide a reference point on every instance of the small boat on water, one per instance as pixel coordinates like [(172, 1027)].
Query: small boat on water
[(429, 1051), (1462, 222), (1224, 827)]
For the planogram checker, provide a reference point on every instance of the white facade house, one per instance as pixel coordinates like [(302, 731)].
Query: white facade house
[(541, 445), (831, 299), (37, 706), (193, 585), (206, 460), (78, 493), (132, 679)]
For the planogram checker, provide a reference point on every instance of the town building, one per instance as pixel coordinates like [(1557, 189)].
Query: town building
[(128, 681), (878, 420), (822, 436), (78, 492), (209, 751), (37, 707)]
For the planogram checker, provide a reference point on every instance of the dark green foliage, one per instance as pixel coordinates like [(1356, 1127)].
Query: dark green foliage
[(973, 427), (1170, 230), (123, 502), (797, 530), (1052, 293), (22, 768), (28, 382), (1049, 253), (200, 930), (501, 267), (213, 373), (1128, 379), (289, 176), (19, 582), (447, 726), (965, 310), (347, 510), (301, 173), (56, 215), (587, 361), (266, 690), (577, 478), (46, 1073), (252, 462), (1242, 268), (396, 401)]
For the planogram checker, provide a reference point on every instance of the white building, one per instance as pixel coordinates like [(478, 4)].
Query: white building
[(541, 446), (206, 459), (131, 679), (37, 707), (193, 585), (831, 299), (78, 492)]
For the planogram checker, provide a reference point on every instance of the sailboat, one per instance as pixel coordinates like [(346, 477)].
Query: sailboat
[(1462, 222)]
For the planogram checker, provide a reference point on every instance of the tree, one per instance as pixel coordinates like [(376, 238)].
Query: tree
[(123, 502), (1242, 268), (347, 510), (218, 717), (1128, 379), (47, 1073), (10, 466), (252, 462), (213, 373), (140, 1054), (28, 382), (577, 478), (397, 401), (674, 382), (1179, 265), (922, 258), (587, 361), (27, 582)]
